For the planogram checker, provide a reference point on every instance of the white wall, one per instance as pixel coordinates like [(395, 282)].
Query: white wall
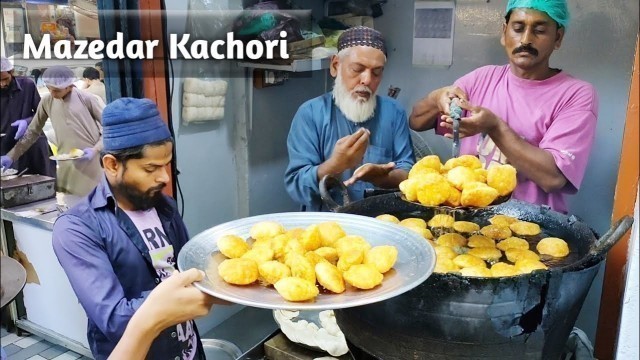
[(627, 347)]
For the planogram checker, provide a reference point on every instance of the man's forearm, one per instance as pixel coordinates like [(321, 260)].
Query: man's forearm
[(425, 112), (536, 164), (329, 167)]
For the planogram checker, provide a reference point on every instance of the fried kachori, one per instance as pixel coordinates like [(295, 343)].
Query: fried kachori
[(525, 228), (490, 254), (502, 178), (363, 276), (476, 271), (238, 271), (553, 246), (467, 260), (502, 220), (465, 227), (388, 218), (513, 243), (296, 289), (496, 232), (232, 246), (478, 240), (441, 221)]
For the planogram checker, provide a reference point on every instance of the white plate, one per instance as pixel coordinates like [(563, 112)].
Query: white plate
[(416, 260), (63, 157), (8, 172)]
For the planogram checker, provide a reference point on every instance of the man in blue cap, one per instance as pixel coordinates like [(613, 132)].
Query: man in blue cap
[(539, 119), (123, 238)]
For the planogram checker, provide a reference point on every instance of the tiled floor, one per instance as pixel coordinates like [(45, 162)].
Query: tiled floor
[(31, 347)]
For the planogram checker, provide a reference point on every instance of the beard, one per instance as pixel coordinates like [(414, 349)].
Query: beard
[(354, 109), (140, 200)]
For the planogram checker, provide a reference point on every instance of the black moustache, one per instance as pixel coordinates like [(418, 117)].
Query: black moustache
[(525, 48)]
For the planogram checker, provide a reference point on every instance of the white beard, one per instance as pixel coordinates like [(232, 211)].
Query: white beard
[(354, 109)]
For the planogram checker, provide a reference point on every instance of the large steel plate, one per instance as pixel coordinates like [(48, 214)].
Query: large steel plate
[(416, 260)]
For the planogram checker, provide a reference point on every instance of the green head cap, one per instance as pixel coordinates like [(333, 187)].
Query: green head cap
[(556, 9)]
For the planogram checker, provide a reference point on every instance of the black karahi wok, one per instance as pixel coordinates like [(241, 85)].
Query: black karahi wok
[(450, 316)]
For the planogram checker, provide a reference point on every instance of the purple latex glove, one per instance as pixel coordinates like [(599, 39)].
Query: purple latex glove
[(89, 154), (6, 161), (22, 128)]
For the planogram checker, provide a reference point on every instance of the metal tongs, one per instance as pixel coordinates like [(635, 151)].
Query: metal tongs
[(455, 112)]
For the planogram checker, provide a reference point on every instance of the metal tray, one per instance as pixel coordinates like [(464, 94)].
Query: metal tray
[(416, 260)]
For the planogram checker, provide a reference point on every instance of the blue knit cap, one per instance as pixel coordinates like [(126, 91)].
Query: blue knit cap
[(556, 9), (130, 122)]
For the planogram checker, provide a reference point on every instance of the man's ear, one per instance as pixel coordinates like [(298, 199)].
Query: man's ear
[(559, 37), (502, 35), (333, 68), (111, 165)]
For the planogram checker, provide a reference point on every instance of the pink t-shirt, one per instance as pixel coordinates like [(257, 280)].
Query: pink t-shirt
[(558, 114)]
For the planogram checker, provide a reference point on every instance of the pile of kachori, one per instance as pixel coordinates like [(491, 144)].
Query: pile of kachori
[(498, 249), (461, 181), (295, 261)]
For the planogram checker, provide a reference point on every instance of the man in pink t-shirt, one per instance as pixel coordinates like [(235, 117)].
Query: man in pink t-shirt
[(539, 119)]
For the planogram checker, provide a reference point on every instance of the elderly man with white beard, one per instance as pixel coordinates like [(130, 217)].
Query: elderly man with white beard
[(351, 128)]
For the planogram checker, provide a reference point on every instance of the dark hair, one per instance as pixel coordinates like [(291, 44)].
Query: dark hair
[(36, 73), (508, 16), (91, 74), (98, 64), (136, 152)]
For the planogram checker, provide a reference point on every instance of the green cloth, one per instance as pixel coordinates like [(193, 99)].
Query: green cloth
[(556, 9)]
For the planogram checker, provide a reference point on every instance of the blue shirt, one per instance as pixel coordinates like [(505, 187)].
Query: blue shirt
[(316, 128), (109, 267)]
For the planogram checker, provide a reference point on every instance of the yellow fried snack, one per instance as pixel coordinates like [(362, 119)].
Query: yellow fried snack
[(296, 289), (278, 245), (502, 220), (382, 257), (388, 218), (272, 271), (441, 220), (314, 258), (460, 175), (266, 229), (238, 271), (426, 233), (232, 246), (515, 255), (526, 266), (293, 246), (429, 162), (264, 243), (475, 271), (329, 277), (490, 254), (496, 232), (330, 231), (433, 193), (466, 260), (468, 161), (414, 222), (478, 196), (513, 243), (445, 252), (350, 257), (409, 189), (350, 242), (295, 233), (301, 268), (525, 228), (481, 175), (310, 239), (444, 265), (502, 178), (259, 255), (363, 276), (503, 269), (454, 197), (330, 254), (480, 241), (465, 227), (553, 246), (452, 240), (417, 171)]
